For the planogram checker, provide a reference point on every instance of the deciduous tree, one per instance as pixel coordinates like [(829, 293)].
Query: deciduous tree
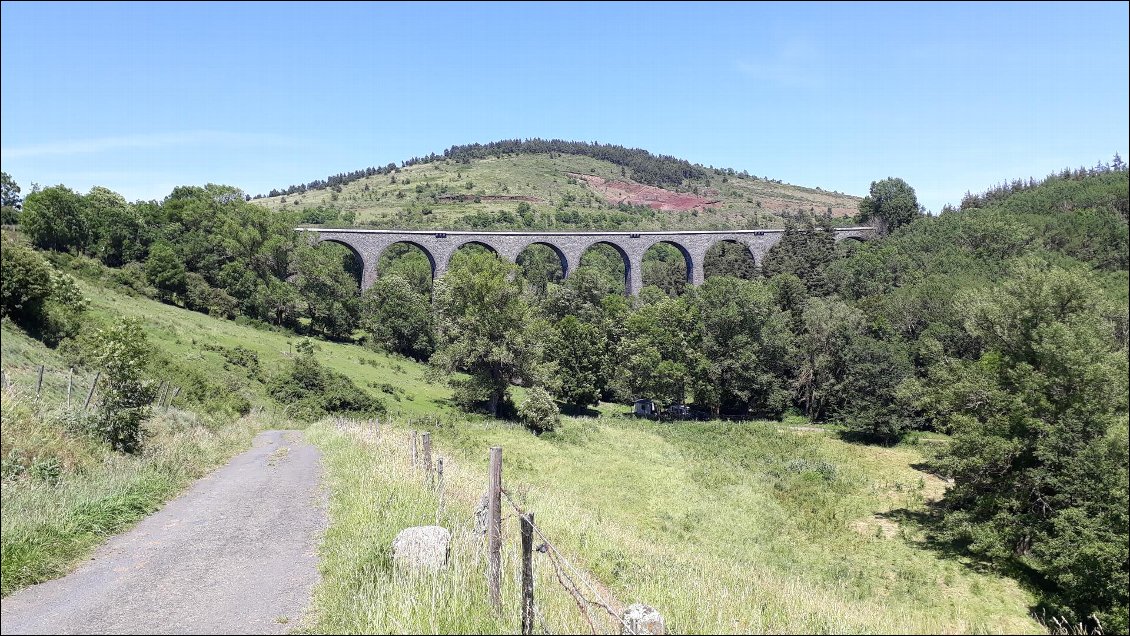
[(891, 203)]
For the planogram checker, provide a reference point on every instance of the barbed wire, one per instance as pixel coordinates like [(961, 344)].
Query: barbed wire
[(571, 587), (561, 566)]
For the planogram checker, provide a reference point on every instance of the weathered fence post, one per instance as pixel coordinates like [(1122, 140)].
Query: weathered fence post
[(494, 527), (90, 394), (414, 460), (439, 488), (427, 440), (70, 385), (527, 573), (39, 382), (161, 391), (170, 402)]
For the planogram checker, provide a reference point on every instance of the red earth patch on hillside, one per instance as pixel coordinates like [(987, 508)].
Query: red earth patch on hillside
[(639, 194)]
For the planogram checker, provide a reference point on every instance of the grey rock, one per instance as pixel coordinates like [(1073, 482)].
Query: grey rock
[(422, 548), (642, 619)]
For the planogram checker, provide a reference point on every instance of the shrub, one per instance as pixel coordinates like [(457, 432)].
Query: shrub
[(121, 353), (309, 391), (538, 411), (37, 297), (25, 284)]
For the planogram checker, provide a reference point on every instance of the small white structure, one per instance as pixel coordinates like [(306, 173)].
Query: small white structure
[(644, 408)]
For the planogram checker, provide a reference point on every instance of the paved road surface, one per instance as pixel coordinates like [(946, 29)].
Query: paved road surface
[(235, 554)]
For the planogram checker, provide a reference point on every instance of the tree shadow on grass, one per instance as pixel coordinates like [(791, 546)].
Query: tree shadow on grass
[(928, 523), (863, 439), (577, 411)]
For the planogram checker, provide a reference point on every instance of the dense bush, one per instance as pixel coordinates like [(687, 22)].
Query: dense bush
[(309, 391), (397, 317), (538, 411), (25, 284), (121, 353), (1039, 455), (37, 297)]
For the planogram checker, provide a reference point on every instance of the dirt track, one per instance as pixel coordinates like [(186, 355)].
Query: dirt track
[(235, 554)]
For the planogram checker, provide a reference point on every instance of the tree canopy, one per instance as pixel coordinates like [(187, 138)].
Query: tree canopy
[(891, 203)]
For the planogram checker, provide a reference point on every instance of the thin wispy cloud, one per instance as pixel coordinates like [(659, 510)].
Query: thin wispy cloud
[(152, 140), (799, 63)]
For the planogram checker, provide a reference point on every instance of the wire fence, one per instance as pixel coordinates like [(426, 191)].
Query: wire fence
[(596, 608), (70, 389)]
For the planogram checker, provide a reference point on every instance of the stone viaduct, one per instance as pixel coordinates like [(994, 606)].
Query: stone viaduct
[(440, 245)]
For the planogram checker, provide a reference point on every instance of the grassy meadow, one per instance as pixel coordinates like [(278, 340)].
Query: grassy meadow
[(190, 350), (731, 528)]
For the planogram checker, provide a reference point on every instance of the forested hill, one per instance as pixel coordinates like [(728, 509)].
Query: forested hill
[(555, 184)]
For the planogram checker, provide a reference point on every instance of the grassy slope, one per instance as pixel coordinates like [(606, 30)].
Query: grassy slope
[(737, 529), (73, 492), (181, 336), (546, 179)]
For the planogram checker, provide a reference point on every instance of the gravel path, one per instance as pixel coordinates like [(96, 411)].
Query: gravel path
[(235, 554)]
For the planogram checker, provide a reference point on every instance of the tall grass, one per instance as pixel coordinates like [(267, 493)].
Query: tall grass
[(375, 493), (64, 492), (729, 529)]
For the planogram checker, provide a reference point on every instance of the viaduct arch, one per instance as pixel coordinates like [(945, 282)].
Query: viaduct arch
[(440, 245)]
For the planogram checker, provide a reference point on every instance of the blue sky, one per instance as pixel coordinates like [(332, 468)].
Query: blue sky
[(951, 97)]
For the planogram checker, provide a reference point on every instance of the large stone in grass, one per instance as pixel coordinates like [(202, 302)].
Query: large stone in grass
[(642, 619), (422, 548)]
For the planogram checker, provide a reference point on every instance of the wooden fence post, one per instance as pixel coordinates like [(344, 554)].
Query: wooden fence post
[(494, 528), (170, 402), (527, 573), (90, 394), (414, 460), (427, 440), (439, 488), (70, 385), (39, 382), (161, 388)]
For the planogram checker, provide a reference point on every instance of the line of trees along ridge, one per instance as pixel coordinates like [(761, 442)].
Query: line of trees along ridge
[(656, 170)]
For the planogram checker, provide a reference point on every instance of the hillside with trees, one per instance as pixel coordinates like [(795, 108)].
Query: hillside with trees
[(554, 184)]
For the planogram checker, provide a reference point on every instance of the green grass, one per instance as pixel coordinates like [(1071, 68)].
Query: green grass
[(376, 200), (64, 493), (723, 528), (187, 341)]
